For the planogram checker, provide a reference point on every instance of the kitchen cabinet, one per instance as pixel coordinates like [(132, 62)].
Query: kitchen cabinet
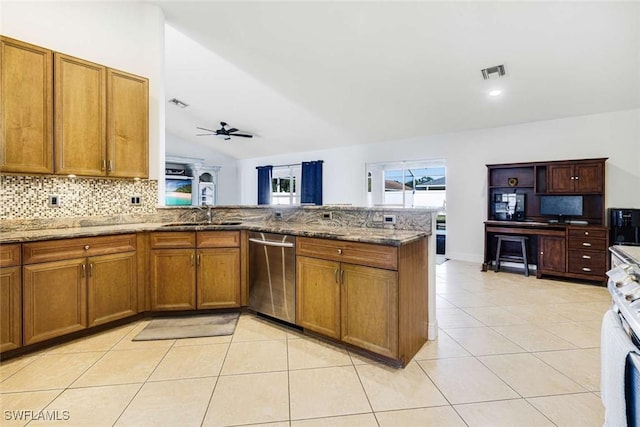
[(26, 105), (127, 125), (575, 178), (72, 284), (80, 116), (363, 294), (192, 270), (10, 298), (69, 116)]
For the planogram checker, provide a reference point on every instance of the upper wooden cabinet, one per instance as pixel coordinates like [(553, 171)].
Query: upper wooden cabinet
[(65, 115), (26, 106), (80, 117), (576, 178), (127, 125)]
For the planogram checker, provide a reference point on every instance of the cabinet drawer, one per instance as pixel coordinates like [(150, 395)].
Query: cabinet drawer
[(352, 252), (581, 233), (587, 262), (10, 255), (218, 239), (54, 250), (589, 243), (173, 240)]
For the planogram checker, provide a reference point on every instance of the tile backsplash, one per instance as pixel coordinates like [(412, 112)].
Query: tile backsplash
[(27, 197)]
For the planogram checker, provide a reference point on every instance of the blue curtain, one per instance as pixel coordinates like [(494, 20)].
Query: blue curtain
[(264, 185), (311, 191)]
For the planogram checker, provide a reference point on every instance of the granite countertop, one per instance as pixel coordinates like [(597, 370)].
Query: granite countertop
[(390, 237)]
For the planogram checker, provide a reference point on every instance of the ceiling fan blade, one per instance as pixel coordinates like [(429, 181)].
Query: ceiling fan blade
[(208, 130), (242, 135), (232, 130), (205, 134)]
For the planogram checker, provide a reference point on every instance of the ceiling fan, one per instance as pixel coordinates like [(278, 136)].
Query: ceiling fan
[(223, 132)]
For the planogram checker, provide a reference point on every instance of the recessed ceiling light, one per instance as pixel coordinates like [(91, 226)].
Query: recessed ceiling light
[(495, 92)]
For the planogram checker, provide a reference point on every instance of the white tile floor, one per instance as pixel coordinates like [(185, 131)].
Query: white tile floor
[(512, 351)]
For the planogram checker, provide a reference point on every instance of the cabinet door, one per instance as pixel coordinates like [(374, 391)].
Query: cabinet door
[(26, 106), (111, 287), (54, 299), (318, 295), (370, 309), (80, 116), (560, 179), (589, 178), (173, 279), (127, 125), (10, 308), (552, 254), (218, 278)]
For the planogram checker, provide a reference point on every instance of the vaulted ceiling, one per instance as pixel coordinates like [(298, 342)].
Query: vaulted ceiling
[(311, 75)]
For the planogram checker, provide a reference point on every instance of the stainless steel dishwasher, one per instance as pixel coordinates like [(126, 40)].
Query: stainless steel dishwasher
[(272, 273)]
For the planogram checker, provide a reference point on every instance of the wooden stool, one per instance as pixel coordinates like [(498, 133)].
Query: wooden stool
[(523, 244)]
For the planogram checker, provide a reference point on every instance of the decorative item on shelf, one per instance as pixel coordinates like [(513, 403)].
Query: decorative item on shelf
[(512, 182)]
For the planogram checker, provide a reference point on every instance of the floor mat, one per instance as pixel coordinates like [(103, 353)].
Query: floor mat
[(169, 328)]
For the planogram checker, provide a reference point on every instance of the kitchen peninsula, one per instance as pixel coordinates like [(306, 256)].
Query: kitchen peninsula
[(394, 327)]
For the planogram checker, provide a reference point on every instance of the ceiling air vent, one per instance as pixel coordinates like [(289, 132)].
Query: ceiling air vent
[(178, 103), (493, 72)]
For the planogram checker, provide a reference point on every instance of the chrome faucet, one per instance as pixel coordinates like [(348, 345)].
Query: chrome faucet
[(209, 213)]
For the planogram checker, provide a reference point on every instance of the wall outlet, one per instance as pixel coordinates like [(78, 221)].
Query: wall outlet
[(278, 214), (327, 215), (136, 200), (389, 219), (54, 201)]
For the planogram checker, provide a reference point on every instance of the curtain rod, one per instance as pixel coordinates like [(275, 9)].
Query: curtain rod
[(289, 165)]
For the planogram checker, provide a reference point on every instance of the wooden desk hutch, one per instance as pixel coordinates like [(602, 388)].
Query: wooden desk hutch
[(577, 249)]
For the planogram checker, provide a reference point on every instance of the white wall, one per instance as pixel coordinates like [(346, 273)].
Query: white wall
[(124, 35), (614, 135), (228, 189)]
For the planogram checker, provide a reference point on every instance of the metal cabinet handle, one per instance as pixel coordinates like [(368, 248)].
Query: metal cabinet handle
[(586, 269), (86, 247), (341, 276), (198, 260), (110, 166), (104, 164), (192, 257), (586, 244), (586, 257), (335, 273), (91, 270), (339, 251), (84, 271), (577, 177)]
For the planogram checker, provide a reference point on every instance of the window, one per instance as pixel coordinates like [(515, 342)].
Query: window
[(407, 184), (285, 185)]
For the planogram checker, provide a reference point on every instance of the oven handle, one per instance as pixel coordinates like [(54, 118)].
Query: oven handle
[(272, 243)]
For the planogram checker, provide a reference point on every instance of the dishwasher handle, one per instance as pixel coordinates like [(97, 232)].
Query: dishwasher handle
[(272, 243)]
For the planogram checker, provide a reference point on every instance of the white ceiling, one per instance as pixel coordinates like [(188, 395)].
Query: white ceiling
[(311, 75)]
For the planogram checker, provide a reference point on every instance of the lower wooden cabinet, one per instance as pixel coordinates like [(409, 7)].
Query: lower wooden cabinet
[(382, 310), (54, 299), (192, 270), (552, 255), (10, 308), (64, 292), (111, 288)]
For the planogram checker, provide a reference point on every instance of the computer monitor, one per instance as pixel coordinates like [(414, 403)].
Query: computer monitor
[(561, 207)]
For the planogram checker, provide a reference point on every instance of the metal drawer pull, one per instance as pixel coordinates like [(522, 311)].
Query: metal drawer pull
[(586, 233), (91, 270), (339, 251), (586, 257), (192, 260), (198, 260), (84, 270), (86, 247), (271, 243), (335, 273), (586, 244), (586, 269)]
